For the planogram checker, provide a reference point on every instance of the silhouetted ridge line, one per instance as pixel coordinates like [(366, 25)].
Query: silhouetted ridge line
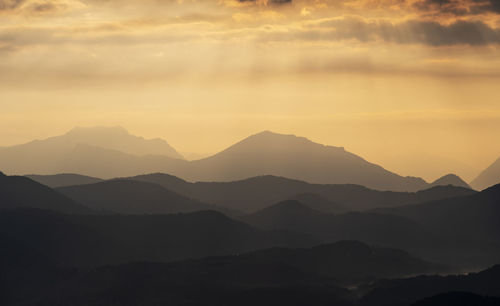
[(256, 193), (19, 191)]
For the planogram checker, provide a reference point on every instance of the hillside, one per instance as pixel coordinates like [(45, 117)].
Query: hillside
[(19, 191)]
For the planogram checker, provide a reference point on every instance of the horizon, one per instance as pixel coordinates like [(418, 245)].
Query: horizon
[(398, 82), (466, 174)]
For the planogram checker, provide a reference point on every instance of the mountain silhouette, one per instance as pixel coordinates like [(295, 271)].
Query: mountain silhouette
[(19, 191), (347, 260), (373, 228), (268, 153), (256, 193), (113, 152), (488, 177), (114, 148), (131, 197), (450, 179), (301, 275), (93, 240), (458, 299), (401, 292), (65, 179), (469, 223)]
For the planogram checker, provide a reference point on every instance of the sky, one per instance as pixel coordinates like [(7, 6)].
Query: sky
[(409, 84)]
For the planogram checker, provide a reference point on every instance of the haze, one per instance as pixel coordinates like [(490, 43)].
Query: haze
[(411, 85)]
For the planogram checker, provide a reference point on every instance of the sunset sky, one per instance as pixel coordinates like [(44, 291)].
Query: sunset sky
[(413, 85)]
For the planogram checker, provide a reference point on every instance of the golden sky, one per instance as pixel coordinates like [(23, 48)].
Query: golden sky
[(410, 84)]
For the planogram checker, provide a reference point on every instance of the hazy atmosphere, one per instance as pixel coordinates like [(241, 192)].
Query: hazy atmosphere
[(411, 85), (249, 152)]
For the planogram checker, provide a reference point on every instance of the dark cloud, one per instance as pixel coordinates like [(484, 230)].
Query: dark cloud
[(44, 7), (489, 5), (411, 32), (458, 7), (6, 5), (277, 2)]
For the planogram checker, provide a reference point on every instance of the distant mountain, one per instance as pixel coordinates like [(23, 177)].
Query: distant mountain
[(403, 292), (98, 151), (295, 157), (92, 240), (113, 152), (65, 179), (19, 191), (489, 177), (256, 193), (450, 179), (131, 197)]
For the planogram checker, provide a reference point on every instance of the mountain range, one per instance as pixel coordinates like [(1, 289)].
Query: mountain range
[(256, 193), (113, 152)]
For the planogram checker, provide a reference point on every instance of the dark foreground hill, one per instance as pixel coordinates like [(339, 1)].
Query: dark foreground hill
[(469, 224), (459, 299), (276, 276), (407, 291), (373, 228), (132, 197), (19, 191), (461, 230), (89, 240), (256, 193)]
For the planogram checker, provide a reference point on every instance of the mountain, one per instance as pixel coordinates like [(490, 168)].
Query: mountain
[(19, 191), (488, 177), (113, 152), (295, 157), (450, 179), (458, 299), (256, 193), (65, 179), (98, 151), (275, 276), (401, 292), (131, 197), (347, 260), (319, 203), (373, 228), (469, 223), (93, 240)]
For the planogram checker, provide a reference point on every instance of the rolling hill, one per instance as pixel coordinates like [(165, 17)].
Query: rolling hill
[(256, 193), (19, 191), (93, 240), (131, 197)]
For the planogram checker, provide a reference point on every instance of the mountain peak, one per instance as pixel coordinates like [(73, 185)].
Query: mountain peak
[(450, 179)]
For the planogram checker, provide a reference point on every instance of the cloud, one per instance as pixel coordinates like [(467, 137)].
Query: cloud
[(458, 7), (6, 5), (474, 33)]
